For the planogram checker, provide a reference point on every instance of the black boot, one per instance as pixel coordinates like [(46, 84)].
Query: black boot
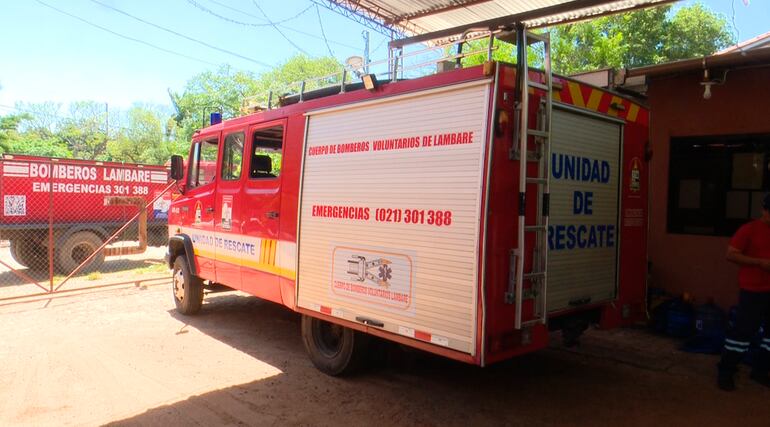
[(727, 368), (726, 381), (759, 373)]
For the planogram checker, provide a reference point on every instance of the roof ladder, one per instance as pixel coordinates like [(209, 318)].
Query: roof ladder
[(536, 258)]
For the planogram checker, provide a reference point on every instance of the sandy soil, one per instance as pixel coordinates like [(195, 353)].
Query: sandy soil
[(116, 269), (124, 356)]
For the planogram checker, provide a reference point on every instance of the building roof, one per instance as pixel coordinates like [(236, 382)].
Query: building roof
[(755, 51), (758, 42), (444, 18)]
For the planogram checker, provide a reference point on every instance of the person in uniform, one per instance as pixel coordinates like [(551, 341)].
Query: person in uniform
[(750, 249)]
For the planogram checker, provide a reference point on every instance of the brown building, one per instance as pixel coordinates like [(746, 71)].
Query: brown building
[(709, 160)]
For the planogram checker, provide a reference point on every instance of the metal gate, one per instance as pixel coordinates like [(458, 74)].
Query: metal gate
[(64, 246)]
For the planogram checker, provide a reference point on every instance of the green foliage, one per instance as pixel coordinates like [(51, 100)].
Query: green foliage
[(643, 37), (501, 52), (84, 131), (696, 31), (32, 141), (146, 134), (225, 90), (9, 131), (146, 139)]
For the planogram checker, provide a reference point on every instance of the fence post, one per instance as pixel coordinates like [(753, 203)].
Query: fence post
[(50, 226)]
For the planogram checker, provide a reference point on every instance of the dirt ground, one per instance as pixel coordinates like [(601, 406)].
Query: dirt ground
[(146, 266), (124, 356)]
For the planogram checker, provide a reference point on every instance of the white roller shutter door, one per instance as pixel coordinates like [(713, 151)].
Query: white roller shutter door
[(389, 224), (583, 235)]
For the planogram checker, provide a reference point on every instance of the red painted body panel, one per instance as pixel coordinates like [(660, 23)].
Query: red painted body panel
[(31, 177), (497, 338)]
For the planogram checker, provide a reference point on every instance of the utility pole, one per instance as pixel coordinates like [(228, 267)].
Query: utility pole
[(106, 124), (365, 34)]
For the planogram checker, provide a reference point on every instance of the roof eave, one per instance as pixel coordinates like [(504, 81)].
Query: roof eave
[(732, 59)]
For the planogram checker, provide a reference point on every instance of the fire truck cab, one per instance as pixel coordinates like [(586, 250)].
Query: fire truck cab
[(422, 212)]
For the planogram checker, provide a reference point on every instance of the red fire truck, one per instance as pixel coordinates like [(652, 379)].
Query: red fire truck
[(421, 212), (70, 197)]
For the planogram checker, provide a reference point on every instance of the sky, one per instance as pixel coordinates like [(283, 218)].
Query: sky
[(61, 55)]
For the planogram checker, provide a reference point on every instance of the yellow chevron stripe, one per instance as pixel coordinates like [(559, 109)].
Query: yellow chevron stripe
[(272, 251), (633, 111), (577, 95), (557, 96), (615, 100), (594, 99)]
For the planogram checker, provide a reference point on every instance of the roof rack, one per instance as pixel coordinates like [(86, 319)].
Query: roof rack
[(392, 68)]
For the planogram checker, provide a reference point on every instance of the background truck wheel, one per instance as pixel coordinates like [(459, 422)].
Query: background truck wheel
[(29, 254), (188, 289), (76, 249), (333, 349)]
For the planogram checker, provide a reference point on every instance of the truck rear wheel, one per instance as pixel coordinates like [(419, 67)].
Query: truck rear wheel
[(76, 249), (29, 254), (333, 349), (188, 289)]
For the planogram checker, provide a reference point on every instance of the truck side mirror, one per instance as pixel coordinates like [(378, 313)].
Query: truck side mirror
[(177, 167)]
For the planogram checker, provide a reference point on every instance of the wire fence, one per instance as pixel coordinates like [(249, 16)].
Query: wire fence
[(70, 224)]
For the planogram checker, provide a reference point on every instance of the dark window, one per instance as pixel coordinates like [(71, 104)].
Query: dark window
[(716, 183), (203, 163), (266, 153), (232, 157)]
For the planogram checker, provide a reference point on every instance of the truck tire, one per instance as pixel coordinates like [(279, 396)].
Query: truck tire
[(334, 349), (75, 249), (16, 253), (29, 254), (187, 288)]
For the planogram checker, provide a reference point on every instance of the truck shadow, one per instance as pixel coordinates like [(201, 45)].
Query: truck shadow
[(400, 387)]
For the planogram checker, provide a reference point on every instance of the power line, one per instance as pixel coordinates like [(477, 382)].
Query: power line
[(321, 25), (278, 29), (250, 24), (379, 45), (125, 36), (285, 27), (183, 36)]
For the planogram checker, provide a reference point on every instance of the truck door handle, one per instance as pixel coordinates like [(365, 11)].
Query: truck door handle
[(210, 209), (271, 214)]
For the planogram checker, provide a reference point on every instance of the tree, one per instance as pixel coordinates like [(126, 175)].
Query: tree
[(225, 90), (639, 38), (633, 39), (9, 131), (147, 138), (13, 141), (85, 131)]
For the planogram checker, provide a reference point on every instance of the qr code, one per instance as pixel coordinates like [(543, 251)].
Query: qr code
[(15, 206)]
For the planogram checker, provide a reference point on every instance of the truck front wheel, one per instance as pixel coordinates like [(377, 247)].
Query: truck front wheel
[(188, 289), (76, 249), (333, 349)]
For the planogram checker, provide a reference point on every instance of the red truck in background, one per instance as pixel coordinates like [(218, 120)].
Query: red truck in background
[(72, 199)]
